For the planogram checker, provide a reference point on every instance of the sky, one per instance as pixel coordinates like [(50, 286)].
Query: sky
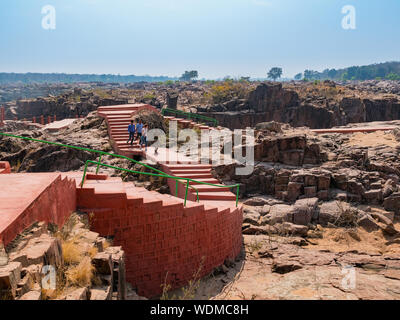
[(216, 37)]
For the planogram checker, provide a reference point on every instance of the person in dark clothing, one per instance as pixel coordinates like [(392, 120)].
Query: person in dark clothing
[(132, 131)]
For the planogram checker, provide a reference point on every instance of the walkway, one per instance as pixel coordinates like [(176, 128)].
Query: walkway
[(173, 163)]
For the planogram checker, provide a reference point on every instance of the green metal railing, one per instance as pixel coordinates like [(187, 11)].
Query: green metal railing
[(100, 164), (191, 116)]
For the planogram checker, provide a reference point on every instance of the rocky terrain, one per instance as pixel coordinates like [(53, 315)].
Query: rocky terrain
[(235, 104), (316, 207), (88, 268)]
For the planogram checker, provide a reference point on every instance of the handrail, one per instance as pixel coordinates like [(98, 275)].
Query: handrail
[(102, 153), (190, 115), (133, 171)]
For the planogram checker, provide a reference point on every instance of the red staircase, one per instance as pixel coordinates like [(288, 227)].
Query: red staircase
[(201, 173), (118, 119)]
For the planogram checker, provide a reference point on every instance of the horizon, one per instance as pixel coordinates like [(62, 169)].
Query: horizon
[(145, 37)]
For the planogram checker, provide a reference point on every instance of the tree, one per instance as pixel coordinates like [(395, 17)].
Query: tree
[(275, 73), (298, 76), (393, 76), (311, 74), (189, 75), (332, 73)]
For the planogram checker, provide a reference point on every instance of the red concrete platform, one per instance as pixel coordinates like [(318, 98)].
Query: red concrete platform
[(26, 198)]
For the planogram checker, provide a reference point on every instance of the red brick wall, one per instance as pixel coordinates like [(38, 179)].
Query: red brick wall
[(160, 240), (54, 205)]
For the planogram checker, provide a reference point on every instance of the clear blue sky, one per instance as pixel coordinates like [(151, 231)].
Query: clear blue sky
[(215, 37)]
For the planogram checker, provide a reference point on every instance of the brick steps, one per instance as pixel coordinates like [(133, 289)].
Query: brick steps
[(118, 119)]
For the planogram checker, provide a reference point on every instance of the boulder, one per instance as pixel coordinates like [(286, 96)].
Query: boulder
[(119, 278), (32, 295), (101, 293), (44, 250), (251, 217), (284, 265), (381, 218), (330, 212), (102, 263), (10, 276), (270, 126), (256, 202), (288, 228), (280, 213), (368, 223), (392, 203), (78, 294), (388, 188), (304, 210), (256, 230)]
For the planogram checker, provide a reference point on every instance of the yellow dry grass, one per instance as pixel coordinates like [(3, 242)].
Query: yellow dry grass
[(344, 239), (72, 252), (82, 274)]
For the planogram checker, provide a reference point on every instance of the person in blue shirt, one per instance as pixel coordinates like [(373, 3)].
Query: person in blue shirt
[(132, 131), (139, 128)]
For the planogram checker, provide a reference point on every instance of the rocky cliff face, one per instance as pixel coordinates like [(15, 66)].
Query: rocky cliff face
[(63, 106), (273, 102)]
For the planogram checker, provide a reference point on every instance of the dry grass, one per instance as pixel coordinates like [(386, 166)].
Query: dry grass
[(344, 239), (348, 217), (186, 293), (72, 251), (92, 252), (81, 275)]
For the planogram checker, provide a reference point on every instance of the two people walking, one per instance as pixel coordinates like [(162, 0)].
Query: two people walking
[(139, 131)]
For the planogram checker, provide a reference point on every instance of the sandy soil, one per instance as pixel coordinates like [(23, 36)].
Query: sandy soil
[(373, 139)]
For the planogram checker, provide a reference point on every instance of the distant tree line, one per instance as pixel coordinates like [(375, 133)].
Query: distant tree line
[(71, 78), (387, 70), (189, 75)]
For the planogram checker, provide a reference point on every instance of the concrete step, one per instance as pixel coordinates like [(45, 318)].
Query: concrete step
[(217, 196), (207, 188), (196, 175), (189, 166), (191, 170), (208, 180)]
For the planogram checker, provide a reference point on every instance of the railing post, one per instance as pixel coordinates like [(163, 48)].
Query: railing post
[(237, 195), (2, 116), (186, 192), (98, 166), (176, 188), (84, 175)]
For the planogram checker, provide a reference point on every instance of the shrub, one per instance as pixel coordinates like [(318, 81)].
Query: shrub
[(226, 91)]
